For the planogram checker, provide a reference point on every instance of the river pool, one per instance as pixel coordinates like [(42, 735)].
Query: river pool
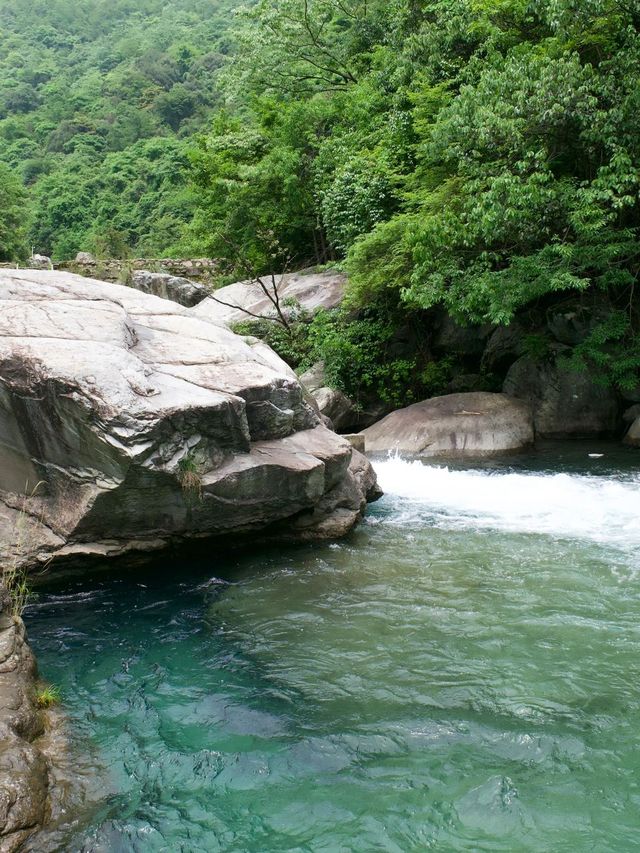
[(462, 673)]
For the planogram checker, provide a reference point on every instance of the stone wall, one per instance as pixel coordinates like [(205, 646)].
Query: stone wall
[(201, 269)]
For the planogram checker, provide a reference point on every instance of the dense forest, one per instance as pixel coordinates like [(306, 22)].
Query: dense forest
[(478, 155), (98, 99)]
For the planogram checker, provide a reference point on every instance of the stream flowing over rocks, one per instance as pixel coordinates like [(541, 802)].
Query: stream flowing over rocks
[(128, 423)]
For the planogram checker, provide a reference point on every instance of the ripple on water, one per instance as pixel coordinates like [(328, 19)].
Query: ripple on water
[(461, 674)]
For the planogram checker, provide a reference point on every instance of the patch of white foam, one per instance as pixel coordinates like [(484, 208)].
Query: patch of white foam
[(600, 509)]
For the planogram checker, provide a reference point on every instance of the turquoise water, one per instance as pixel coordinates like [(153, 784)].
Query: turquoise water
[(462, 673)]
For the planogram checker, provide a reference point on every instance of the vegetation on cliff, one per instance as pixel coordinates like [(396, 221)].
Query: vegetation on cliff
[(481, 157)]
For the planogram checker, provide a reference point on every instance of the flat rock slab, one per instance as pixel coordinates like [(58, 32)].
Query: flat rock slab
[(456, 425)]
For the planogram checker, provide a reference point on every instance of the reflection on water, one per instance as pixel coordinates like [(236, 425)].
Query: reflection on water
[(461, 674)]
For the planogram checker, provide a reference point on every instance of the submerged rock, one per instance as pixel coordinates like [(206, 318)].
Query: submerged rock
[(128, 423), (456, 425)]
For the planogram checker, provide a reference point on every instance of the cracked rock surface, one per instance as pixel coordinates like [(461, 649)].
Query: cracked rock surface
[(23, 767), (128, 422)]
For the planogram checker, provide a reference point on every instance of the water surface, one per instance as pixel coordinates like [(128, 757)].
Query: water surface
[(462, 673)]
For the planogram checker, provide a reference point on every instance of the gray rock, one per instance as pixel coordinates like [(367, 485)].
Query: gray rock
[(633, 435), (630, 414), (128, 423), (565, 403), (450, 337), (333, 404), (504, 346), (306, 291), (39, 262), (173, 287), (85, 258), (456, 425), (572, 324), (315, 377), (631, 395), (24, 773), (465, 382), (337, 407), (356, 440)]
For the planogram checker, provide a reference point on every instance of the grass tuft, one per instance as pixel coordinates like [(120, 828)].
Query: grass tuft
[(47, 695)]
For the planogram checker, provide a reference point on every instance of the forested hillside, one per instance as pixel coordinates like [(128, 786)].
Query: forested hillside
[(97, 98), (478, 155)]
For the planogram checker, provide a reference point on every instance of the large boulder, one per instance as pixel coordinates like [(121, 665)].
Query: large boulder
[(633, 435), (456, 425), (294, 292), (126, 422), (566, 403), (173, 287), (39, 262)]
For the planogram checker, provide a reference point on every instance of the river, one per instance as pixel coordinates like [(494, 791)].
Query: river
[(461, 674)]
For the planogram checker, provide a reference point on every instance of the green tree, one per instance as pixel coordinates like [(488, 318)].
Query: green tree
[(13, 217)]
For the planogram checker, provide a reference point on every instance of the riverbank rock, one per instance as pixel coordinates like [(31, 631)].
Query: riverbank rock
[(295, 291), (633, 434), (456, 425), (565, 403), (173, 287), (23, 767), (127, 424), (341, 410)]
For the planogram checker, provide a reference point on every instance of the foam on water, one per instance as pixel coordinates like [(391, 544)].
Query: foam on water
[(600, 509)]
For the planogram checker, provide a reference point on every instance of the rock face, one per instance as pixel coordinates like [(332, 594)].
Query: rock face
[(308, 291), (333, 404), (633, 435), (128, 423), (23, 767), (173, 287), (457, 425), (566, 403), (39, 262)]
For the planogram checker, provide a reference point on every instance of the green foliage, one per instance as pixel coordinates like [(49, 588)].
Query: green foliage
[(13, 217), (611, 352), (97, 102), (15, 582), (47, 695), (292, 344), (190, 477), (480, 156), (359, 356)]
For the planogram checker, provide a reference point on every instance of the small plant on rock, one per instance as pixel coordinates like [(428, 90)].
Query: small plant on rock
[(47, 695), (189, 476)]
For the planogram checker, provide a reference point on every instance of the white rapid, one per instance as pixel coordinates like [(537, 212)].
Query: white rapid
[(601, 509)]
